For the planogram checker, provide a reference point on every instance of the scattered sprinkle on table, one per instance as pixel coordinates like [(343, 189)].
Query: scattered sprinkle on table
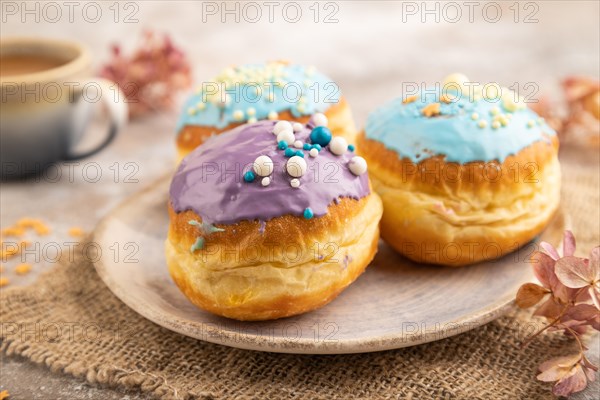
[(76, 231), (22, 269)]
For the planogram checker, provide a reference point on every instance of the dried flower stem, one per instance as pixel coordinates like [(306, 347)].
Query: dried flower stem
[(551, 324)]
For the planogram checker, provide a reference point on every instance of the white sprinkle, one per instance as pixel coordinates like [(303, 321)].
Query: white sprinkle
[(319, 119), (263, 166), (297, 126), (298, 144), (252, 120), (238, 115), (265, 181), (482, 123), (313, 152), (338, 145), (357, 165), (474, 116), (272, 115), (281, 126), (251, 111), (295, 183), (296, 166), (495, 124), (530, 123), (495, 111), (286, 136)]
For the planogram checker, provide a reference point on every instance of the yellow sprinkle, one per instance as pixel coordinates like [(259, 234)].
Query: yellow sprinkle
[(238, 115), (495, 111), (540, 121), (201, 106), (252, 120), (530, 124), (410, 99), (431, 110), (76, 231), (13, 231), (482, 123), (22, 269), (495, 125), (474, 116), (300, 108), (191, 111), (273, 115), (3, 282), (447, 99), (251, 112), (503, 120), (42, 230), (29, 222)]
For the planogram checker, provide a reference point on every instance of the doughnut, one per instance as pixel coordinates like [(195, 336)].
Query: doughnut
[(274, 90), (464, 175), (268, 222)]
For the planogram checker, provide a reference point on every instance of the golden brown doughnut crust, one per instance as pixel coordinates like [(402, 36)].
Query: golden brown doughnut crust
[(453, 214), (339, 115), (295, 265)]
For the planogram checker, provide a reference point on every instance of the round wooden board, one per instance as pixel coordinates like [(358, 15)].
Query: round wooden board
[(395, 303)]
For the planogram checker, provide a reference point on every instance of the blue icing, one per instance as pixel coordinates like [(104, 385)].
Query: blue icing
[(454, 134), (307, 91)]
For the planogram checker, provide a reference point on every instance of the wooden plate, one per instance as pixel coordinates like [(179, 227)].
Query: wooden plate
[(394, 304)]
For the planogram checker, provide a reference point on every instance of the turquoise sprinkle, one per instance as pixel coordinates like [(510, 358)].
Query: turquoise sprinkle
[(351, 147), (198, 245), (308, 213), (249, 176), (205, 227), (299, 153), (317, 146), (289, 152), (306, 146), (210, 228), (282, 145), (320, 135)]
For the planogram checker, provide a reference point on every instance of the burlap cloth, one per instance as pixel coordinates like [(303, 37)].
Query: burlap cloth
[(110, 344)]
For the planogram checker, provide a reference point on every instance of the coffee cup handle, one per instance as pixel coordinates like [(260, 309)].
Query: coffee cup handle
[(114, 100)]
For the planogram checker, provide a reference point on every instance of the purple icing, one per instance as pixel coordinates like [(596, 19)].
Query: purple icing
[(210, 181)]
